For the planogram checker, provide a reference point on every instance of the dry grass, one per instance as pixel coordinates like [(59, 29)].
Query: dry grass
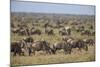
[(76, 56), (60, 57)]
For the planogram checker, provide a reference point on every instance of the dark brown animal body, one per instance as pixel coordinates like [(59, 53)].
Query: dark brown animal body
[(16, 48), (80, 44), (62, 45), (24, 31), (89, 42), (35, 31), (49, 31), (29, 40), (41, 46)]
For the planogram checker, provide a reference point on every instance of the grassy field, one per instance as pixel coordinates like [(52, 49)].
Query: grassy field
[(60, 57)]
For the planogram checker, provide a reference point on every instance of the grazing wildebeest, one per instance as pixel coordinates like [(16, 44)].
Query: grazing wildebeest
[(80, 44), (91, 27), (27, 32), (28, 39), (14, 30), (80, 28), (60, 25), (41, 46), (89, 42), (86, 32), (62, 32), (24, 31), (49, 31), (46, 25), (65, 31), (17, 48), (62, 45), (67, 38), (35, 31), (68, 30), (74, 23)]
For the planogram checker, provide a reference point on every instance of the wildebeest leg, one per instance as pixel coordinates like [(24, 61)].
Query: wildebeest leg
[(19, 53), (86, 48), (69, 51), (53, 51), (47, 52), (23, 54), (92, 43), (80, 49), (34, 52), (65, 51), (30, 51), (22, 51), (14, 54)]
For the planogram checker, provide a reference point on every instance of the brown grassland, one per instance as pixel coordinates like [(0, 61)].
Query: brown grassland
[(60, 57)]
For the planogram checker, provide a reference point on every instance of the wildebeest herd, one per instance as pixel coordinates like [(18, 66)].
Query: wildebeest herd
[(66, 28)]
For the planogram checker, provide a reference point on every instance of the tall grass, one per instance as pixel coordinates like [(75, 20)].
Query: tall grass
[(60, 57)]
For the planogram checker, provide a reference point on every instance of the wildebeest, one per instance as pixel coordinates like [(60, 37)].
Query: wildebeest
[(87, 32), (89, 42), (17, 48), (65, 31), (24, 31), (67, 38), (46, 25), (28, 39), (91, 27), (74, 23), (14, 30), (62, 32), (49, 31), (68, 30), (62, 45), (76, 43), (35, 31), (41, 46), (80, 28), (79, 43)]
